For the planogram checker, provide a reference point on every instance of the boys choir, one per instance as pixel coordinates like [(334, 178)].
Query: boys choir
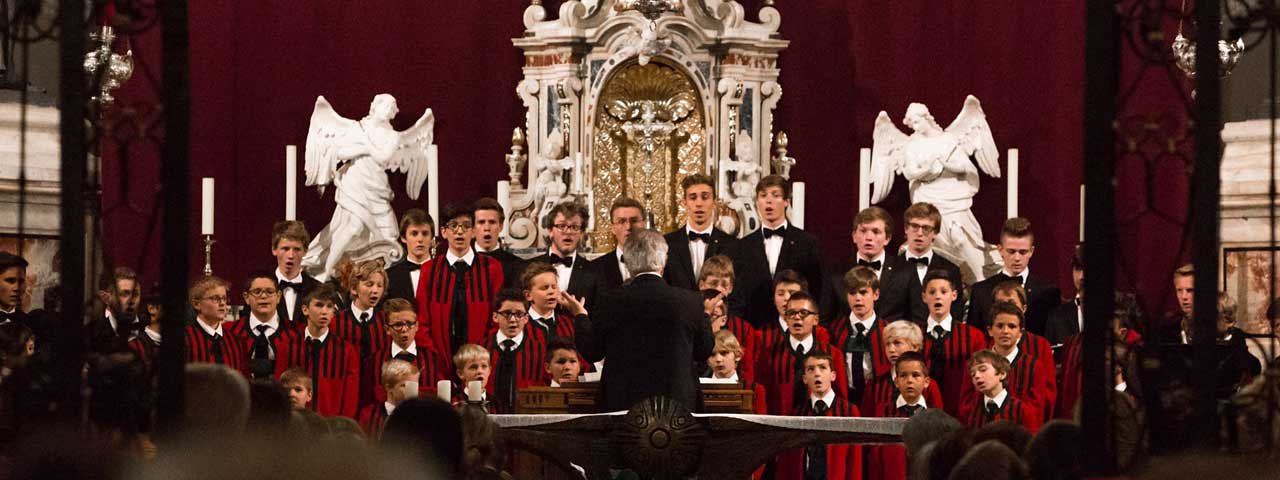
[(887, 337)]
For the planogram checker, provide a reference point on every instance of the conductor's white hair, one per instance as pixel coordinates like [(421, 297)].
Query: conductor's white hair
[(645, 251)]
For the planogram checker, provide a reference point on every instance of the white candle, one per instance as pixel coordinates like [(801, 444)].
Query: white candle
[(504, 200), (1013, 182), (206, 207), (577, 173), (444, 391), (433, 182), (864, 179), (291, 182), (1081, 213), (797, 204), (474, 391)]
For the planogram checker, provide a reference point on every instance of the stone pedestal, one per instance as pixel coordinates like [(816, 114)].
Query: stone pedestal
[(1246, 224)]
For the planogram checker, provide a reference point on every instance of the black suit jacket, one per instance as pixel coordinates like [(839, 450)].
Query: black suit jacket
[(1042, 297), (512, 267), (399, 284), (679, 268), (832, 301), (653, 334), (608, 270), (900, 290), (584, 282), (753, 288), (104, 340), (1064, 321), (309, 283)]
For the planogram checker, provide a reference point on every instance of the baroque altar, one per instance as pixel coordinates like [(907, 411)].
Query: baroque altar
[(628, 98)]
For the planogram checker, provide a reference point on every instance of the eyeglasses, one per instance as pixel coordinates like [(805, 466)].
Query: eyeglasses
[(512, 314), (217, 298), (263, 292), (458, 226), (628, 221), (921, 227), (799, 313), (566, 227), (401, 325)]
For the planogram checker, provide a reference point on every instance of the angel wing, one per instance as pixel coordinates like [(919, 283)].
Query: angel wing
[(325, 137), (972, 129), (886, 156), (411, 155)]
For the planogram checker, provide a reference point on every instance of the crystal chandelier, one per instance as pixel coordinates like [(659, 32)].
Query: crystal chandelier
[(1184, 52)]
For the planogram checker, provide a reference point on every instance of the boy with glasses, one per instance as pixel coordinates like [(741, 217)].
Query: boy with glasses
[(781, 371), (625, 215), (206, 340), (262, 331), (902, 286), (516, 348), (456, 290), (401, 323), (566, 222)]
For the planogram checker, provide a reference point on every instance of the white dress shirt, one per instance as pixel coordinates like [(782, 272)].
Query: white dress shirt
[(697, 248), (867, 368), (321, 338), (999, 398), (902, 402), (931, 323), (879, 258), (468, 257), (829, 398), (1012, 354), (622, 267), (272, 325), (111, 319), (412, 349), (154, 336), (807, 343), (921, 269), (209, 330), (414, 275), (773, 248), (562, 271), (501, 336), (540, 318), (288, 295)]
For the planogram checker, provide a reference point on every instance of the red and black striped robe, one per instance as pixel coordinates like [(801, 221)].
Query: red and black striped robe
[(749, 338), (429, 372), (284, 334), (365, 338), (1030, 381), (882, 393), (1038, 346), (841, 331), (565, 328), (776, 371), (494, 404), (1013, 410), (435, 300), (146, 349), (201, 347), (1069, 381), (844, 462), (335, 373), (889, 462), (530, 359), (951, 378), (373, 419)]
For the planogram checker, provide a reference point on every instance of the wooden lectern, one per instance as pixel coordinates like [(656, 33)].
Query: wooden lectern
[(580, 398)]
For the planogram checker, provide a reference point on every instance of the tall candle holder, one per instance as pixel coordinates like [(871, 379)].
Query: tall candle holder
[(208, 255)]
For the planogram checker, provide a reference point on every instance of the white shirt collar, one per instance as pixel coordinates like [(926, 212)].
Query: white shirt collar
[(115, 325), (468, 257), (807, 342), (689, 229), (927, 254), (476, 246), (533, 314), (780, 225), (154, 336), (554, 254), (9, 311), (209, 330), (783, 322), (1013, 354), (733, 377), (829, 399), (999, 398), (868, 323), (323, 336), (501, 336), (280, 277), (396, 350), (617, 252), (356, 312), (903, 402), (272, 325), (930, 323), (390, 407), (555, 384)]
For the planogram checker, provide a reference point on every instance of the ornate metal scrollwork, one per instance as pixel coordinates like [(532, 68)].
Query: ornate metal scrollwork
[(660, 437)]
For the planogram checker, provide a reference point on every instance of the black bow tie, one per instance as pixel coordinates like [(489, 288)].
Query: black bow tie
[(703, 237), (769, 232), (558, 260), (1016, 278), (283, 284), (873, 265), (919, 260), (406, 356)]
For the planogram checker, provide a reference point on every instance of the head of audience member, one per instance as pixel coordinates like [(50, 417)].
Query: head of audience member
[(901, 336), (819, 376), (566, 222), (120, 401), (872, 229), (418, 234), (785, 284), (457, 226), (541, 287), (562, 361), (402, 321), (261, 295), (1017, 245), (482, 455), (216, 401), (925, 427), (717, 273), (120, 292), (713, 307), (1056, 453), (399, 380), (698, 198), (1127, 314), (725, 355), (911, 375), (1010, 291), (318, 307), (269, 408), (510, 312), (802, 315), (1011, 434), (1005, 329), (1184, 280), (1077, 271), (939, 293), (861, 291), (208, 296), (289, 240), (13, 280), (366, 281), (1226, 313), (489, 217), (923, 221), (645, 252), (946, 452), (471, 363), (987, 461), (297, 385), (17, 345), (988, 370), (625, 216), (427, 428), (773, 197)]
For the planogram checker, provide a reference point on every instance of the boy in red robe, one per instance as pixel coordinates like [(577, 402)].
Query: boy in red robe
[(717, 273), (456, 290), (263, 331), (836, 462), (911, 378), (399, 379), (781, 369), (516, 348), (401, 326), (206, 340), (948, 343), (860, 335), (1032, 380), (988, 371), (900, 337), (332, 363)]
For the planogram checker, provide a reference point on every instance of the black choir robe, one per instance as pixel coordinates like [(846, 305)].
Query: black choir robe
[(679, 269), (104, 340), (335, 373), (1063, 323), (844, 462), (608, 269), (949, 363), (283, 334), (399, 281), (1042, 297), (584, 281), (530, 357), (752, 296), (833, 302), (435, 301), (512, 267)]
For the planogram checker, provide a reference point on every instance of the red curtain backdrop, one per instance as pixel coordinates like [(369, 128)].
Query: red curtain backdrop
[(257, 67)]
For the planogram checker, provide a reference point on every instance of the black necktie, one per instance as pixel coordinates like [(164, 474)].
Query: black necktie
[(215, 348), (550, 321), (938, 354), (909, 410), (816, 456), (313, 357), (798, 389), (558, 260), (458, 307), (506, 388), (260, 364), (700, 237), (771, 232), (992, 408), (366, 338), (858, 344), (919, 260), (873, 265)]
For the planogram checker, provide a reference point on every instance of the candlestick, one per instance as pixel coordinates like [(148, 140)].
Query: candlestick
[(208, 254), (797, 204), (291, 182), (1013, 183), (206, 207), (433, 181), (444, 390), (864, 179)]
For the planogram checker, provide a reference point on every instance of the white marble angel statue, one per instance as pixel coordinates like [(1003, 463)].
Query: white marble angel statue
[(939, 170), (550, 183), (355, 156)]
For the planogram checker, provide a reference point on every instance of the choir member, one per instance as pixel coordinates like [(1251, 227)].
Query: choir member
[(455, 293), (625, 215), (490, 217), (120, 293), (717, 274), (690, 245), (724, 364), (781, 368), (472, 364), (418, 234), (401, 326), (948, 341), (206, 340), (872, 230), (1017, 245), (298, 385), (1032, 380), (988, 371), (1176, 329), (822, 461), (904, 278), (1032, 344), (399, 379), (911, 381), (775, 247), (900, 337), (860, 334), (289, 240), (263, 331), (360, 323), (567, 222), (542, 293), (1068, 319), (517, 348), (330, 360), (146, 343), (562, 361)]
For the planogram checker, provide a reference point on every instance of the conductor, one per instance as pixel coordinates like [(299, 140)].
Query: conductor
[(652, 333)]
